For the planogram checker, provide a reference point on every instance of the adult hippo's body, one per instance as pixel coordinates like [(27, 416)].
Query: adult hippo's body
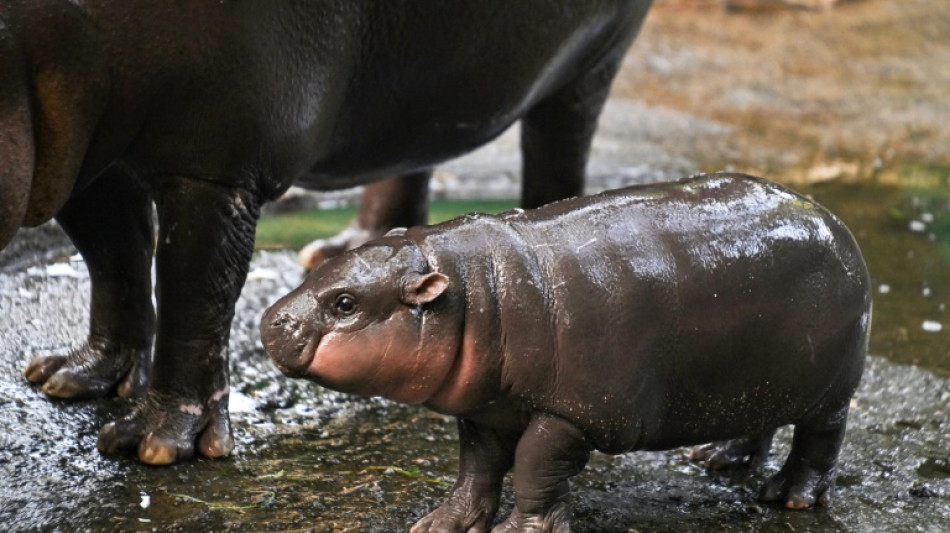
[(209, 108), (717, 308)]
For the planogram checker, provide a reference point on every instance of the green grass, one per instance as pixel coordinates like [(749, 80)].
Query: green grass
[(295, 230)]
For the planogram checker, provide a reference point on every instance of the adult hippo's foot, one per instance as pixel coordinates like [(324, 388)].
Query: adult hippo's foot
[(204, 249), (397, 202), (92, 370), (165, 430), (110, 222), (320, 250), (746, 451)]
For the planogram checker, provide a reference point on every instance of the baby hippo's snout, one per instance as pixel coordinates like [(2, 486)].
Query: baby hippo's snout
[(288, 334)]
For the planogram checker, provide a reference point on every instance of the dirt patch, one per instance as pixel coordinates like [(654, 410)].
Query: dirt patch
[(864, 82)]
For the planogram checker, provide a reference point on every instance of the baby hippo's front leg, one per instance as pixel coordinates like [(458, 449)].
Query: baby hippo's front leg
[(485, 456), (549, 453)]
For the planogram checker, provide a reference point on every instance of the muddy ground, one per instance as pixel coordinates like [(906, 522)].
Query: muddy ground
[(849, 104)]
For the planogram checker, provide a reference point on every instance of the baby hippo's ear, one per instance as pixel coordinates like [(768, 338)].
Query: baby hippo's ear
[(421, 289)]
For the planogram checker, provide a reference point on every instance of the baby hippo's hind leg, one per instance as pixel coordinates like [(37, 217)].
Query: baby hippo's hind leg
[(808, 475), (746, 451)]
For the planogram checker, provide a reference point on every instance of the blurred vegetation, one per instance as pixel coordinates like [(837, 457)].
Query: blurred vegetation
[(295, 230)]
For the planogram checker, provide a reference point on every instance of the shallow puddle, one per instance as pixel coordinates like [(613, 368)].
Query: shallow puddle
[(901, 219)]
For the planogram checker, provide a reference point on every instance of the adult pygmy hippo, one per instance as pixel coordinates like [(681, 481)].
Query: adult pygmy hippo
[(720, 307), (209, 107)]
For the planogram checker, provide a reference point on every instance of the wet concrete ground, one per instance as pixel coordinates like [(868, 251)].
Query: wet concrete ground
[(308, 459)]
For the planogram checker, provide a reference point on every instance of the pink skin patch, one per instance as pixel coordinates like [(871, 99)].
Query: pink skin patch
[(453, 392), (382, 359), (341, 363)]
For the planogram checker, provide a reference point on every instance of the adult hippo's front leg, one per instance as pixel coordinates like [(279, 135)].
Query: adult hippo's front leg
[(110, 223), (205, 243)]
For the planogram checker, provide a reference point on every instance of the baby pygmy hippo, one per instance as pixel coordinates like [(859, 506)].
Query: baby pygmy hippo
[(719, 307)]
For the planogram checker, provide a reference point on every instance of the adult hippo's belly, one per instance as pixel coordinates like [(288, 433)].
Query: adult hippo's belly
[(208, 110)]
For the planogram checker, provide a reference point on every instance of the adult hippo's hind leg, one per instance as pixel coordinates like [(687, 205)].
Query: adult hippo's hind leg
[(556, 134), (110, 223), (205, 244), (808, 475), (401, 201), (746, 451)]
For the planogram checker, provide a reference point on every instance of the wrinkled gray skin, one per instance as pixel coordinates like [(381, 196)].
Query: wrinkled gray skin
[(209, 108), (720, 307)]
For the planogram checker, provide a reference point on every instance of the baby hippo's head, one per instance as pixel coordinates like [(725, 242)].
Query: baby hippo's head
[(355, 324)]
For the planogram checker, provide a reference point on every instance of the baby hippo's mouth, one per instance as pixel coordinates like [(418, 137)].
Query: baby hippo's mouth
[(294, 364)]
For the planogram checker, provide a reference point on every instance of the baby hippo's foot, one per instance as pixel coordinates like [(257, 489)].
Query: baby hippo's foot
[(92, 370), (808, 476), (746, 451), (555, 520), (165, 431), (462, 514), (800, 488)]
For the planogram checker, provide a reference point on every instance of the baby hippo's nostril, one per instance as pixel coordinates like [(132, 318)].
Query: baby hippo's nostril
[(285, 319)]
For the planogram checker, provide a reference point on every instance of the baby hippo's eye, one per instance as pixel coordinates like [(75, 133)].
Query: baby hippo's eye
[(345, 305)]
